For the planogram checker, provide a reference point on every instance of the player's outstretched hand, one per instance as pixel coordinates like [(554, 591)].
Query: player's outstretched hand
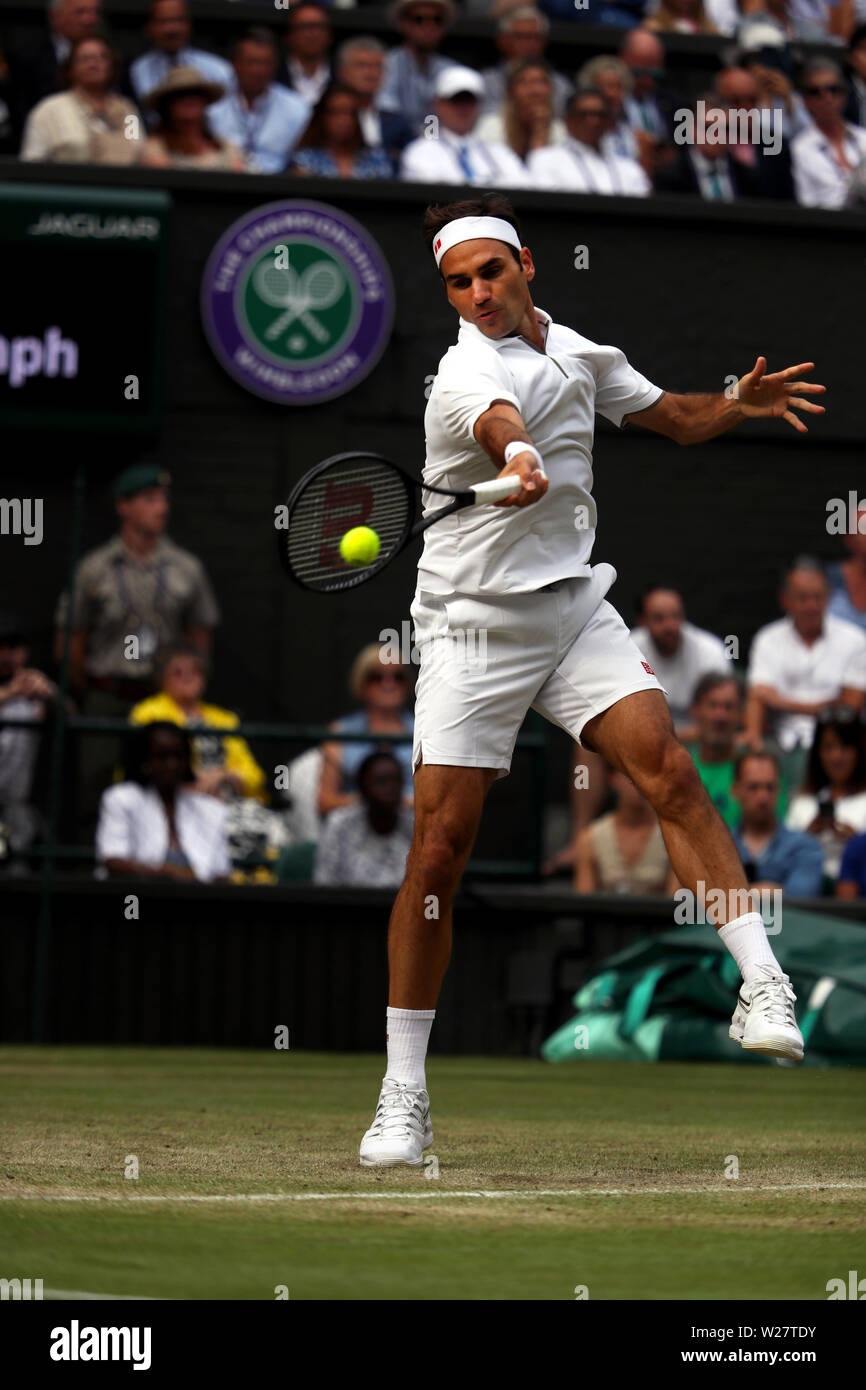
[(776, 394), (534, 482)]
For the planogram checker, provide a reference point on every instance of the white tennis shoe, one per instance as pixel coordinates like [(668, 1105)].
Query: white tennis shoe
[(764, 1019), (401, 1130)]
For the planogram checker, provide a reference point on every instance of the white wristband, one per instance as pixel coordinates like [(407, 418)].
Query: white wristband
[(519, 446)]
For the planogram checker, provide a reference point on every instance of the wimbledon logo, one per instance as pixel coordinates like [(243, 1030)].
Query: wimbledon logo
[(297, 302)]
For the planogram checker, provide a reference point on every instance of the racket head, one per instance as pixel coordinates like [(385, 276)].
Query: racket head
[(352, 489)]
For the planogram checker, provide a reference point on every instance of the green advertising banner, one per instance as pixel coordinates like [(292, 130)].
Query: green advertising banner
[(81, 308)]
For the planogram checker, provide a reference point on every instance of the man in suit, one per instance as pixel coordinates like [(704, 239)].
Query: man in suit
[(360, 64), (705, 166), (855, 107), (36, 69), (770, 163), (305, 66)]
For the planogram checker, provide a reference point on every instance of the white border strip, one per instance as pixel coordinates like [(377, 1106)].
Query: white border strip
[(443, 1194)]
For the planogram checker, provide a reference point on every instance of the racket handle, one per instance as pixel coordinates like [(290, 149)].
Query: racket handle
[(496, 489)]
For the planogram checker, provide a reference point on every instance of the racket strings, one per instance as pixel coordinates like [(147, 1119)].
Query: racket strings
[(366, 493)]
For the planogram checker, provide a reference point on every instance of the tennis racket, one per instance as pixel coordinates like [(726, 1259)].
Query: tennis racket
[(362, 489)]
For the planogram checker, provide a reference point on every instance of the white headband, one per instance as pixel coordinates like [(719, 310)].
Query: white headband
[(469, 229)]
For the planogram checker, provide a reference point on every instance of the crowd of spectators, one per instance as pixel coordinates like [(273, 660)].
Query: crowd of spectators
[(778, 739), (780, 119)]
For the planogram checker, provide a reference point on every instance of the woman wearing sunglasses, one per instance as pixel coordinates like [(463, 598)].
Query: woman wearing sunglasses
[(382, 687)]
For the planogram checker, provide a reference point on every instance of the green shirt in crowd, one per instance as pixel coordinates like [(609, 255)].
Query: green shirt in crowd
[(718, 778)]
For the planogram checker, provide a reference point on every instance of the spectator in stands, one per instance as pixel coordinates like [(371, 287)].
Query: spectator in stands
[(458, 155), (182, 138), (847, 578), (130, 596), (521, 35), (169, 30), (811, 21), (154, 825), (526, 121), (412, 68), (678, 652), (825, 157), (89, 123), (582, 164), (262, 117), (360, 65), (801, 663), (305, 67), (649, 105), (679, 17), (706, 166), (38, 70), (221, 764), (333, 144), (832, 802), (852, 871), (366, 845), (611, 77), (773, 856), (763, 51), (624, 852), (382, 687), (768, 159), (855, 108), (25, 693), (717, 715)]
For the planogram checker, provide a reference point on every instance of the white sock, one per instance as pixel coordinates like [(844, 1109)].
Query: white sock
[(746, 939), (408, 1034)]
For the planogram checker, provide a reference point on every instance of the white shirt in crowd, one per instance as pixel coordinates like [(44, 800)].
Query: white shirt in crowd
[(699, 653), (574, 167), (780, 658), (133, 825), (18, 748), (847, 810), (308, 87), (351, 852), (497, 550), (454, 158), (819, 182), (150, 70)]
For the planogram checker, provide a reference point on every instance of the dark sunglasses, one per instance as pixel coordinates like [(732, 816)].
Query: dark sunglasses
[(835, 89), (426, 19), (377, 676)]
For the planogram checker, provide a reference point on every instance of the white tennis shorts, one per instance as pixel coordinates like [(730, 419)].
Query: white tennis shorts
[(563, 650)]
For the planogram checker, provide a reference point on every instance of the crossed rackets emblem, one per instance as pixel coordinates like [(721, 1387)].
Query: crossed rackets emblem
[(299, 296)]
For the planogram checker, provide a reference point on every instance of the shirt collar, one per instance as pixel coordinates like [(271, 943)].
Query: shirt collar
[(470, 331)]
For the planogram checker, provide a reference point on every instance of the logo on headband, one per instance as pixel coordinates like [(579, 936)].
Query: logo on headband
[(297, 302), (437, 243)]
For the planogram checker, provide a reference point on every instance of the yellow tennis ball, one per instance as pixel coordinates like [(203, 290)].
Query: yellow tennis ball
[(360, 546)]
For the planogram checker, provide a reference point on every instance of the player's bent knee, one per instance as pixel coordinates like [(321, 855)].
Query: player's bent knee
[(676, 783)]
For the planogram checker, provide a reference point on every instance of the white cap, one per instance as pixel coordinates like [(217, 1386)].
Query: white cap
[(458, 79), (762, 33)]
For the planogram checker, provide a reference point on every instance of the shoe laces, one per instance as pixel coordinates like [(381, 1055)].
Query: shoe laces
[(777, 999), (398, 1108)]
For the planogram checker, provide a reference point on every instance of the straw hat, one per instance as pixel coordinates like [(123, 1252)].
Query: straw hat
[(183, 81)]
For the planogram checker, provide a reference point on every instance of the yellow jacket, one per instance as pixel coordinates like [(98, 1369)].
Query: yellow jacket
[(238, 757)]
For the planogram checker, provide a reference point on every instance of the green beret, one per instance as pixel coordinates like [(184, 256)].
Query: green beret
[(139, 477)]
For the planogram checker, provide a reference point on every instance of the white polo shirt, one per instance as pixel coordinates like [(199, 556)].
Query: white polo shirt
[(577, 168), (496, 550), (699, 653), (780, 658), (818, 180)]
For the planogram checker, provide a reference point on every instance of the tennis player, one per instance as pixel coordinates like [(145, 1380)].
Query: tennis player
[(517, 394)]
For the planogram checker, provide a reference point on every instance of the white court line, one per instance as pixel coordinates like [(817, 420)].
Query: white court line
[(444, 1194), (79, 1295)]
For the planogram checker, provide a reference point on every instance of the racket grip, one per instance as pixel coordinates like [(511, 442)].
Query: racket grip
[(496, 489)]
